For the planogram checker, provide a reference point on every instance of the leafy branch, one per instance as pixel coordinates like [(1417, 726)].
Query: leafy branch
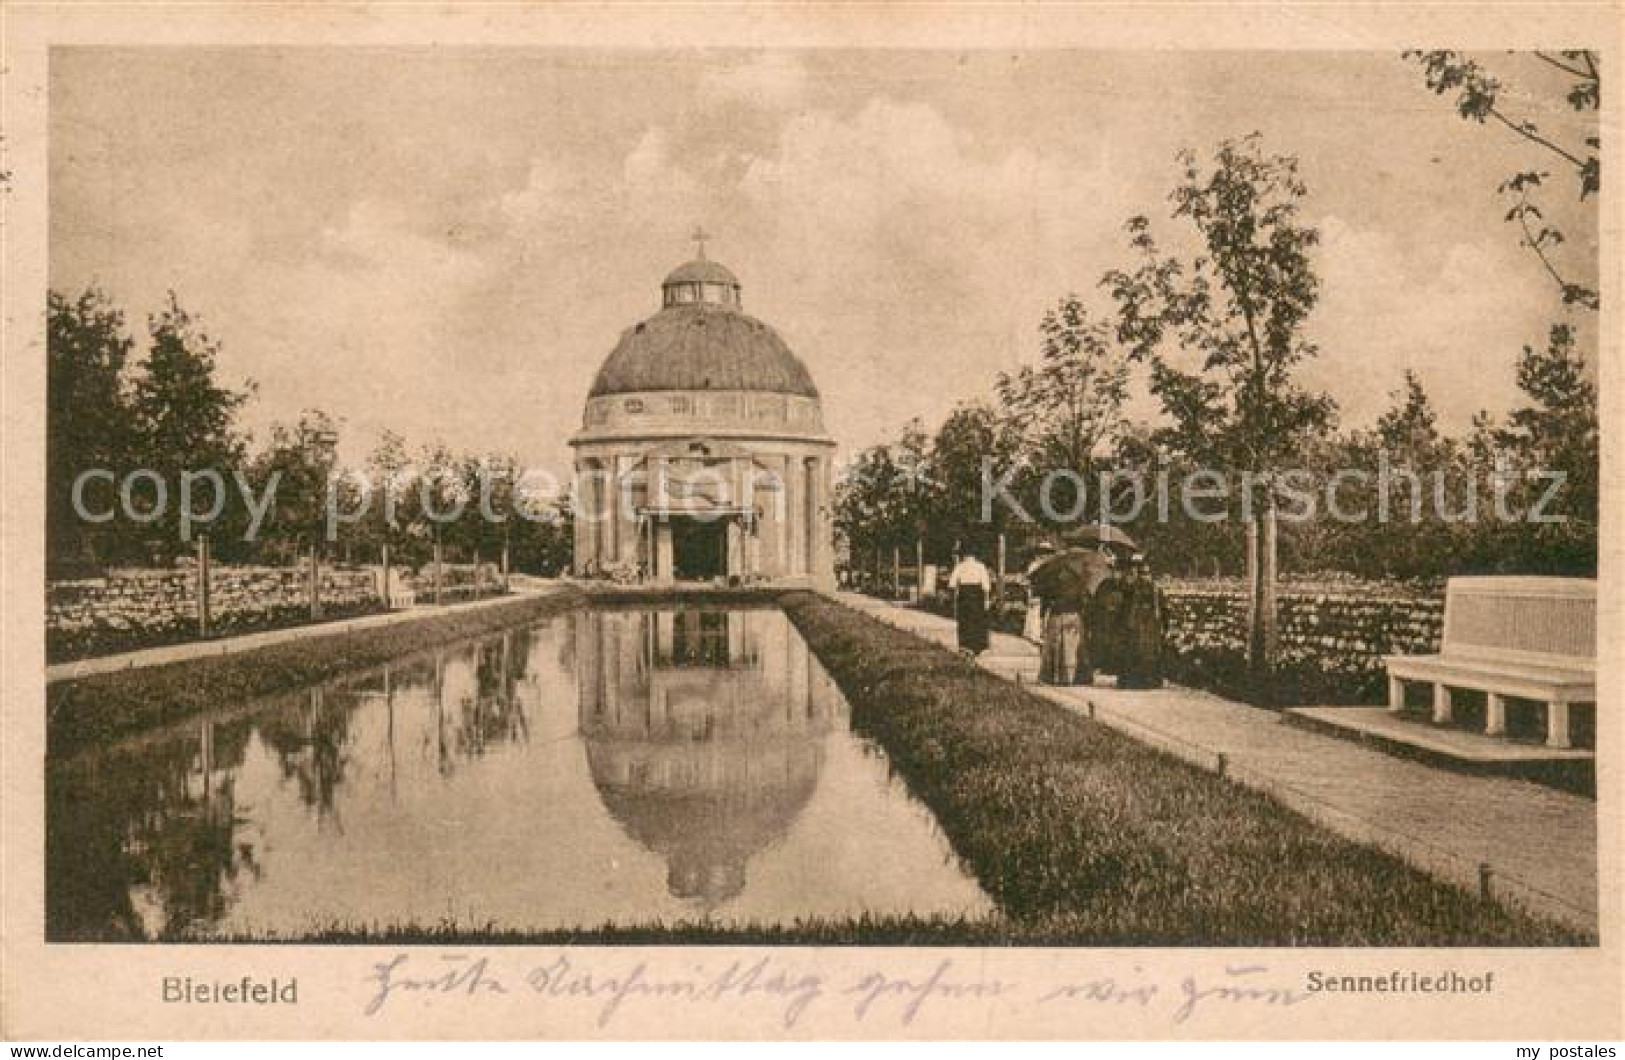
[(1478, 98)]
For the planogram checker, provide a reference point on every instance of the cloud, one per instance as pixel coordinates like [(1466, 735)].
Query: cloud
[(1441, 310), (367, 325), (904, 221), (897, 254)]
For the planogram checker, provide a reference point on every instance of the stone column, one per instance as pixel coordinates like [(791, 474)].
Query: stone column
[(611, 490), (1557, 724), (1495, 714), (586, 528), (749, 529), (815, 552), (1441, 704), (823, 569), (663, 557), (795, 535)]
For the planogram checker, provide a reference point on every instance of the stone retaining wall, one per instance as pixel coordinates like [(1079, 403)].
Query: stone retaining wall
[(137, 608), (1330, 640)]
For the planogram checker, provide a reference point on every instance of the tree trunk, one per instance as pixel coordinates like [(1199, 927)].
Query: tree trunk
[(1271, 562), (384, 588), (1261, 572), (203, 586)]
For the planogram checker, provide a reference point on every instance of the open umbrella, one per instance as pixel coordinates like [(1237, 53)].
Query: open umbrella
[(1071, 575), (1097, 534)]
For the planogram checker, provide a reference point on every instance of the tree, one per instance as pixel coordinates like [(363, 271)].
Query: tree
[(489, 484), (1557, 433), (1410, 425), (1238, 309), (299, 460), (543, 539), (388, 473), (1178, 541), (184, 419), (973, 432), (1065, 407), (1482, 97), (1558, 426), (1557, 430), (884, 500), (1398, 530), (88, 419), (439, 501)]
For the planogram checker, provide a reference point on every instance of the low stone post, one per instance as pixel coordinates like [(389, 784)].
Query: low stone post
[(437, 566), (314, 583), (998, 573)]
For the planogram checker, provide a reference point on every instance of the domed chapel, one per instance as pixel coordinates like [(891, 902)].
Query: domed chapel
[(702, 455)]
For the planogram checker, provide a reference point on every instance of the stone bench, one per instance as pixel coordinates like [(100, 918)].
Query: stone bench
[(1532, 638)]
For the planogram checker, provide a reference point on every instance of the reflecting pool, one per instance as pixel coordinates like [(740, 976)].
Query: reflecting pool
[(625, 766)]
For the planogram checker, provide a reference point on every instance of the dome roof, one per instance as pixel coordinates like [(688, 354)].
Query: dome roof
[(702, 347), (701, 270)]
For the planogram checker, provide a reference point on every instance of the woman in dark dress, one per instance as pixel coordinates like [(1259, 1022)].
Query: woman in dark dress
[(1106, 616), (1062, 645), (1141, 629)]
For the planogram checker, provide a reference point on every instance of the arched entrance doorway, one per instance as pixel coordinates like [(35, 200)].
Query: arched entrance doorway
[(699, 548)]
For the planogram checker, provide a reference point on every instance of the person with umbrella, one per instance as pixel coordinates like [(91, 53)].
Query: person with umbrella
[(1072, 646), (1065, 583), (1032, 626), (973, 587)]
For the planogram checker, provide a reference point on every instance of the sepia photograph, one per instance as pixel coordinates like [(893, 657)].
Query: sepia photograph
[(770, 526)]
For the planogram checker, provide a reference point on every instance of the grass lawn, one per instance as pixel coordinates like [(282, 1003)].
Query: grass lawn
[(97, 710), (1082, 835), (864, 931)]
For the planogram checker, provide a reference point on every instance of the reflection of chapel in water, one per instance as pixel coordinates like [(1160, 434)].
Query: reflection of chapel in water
[(704, 734)]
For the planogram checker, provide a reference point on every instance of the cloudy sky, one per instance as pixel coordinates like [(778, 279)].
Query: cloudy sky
[(448, 243)]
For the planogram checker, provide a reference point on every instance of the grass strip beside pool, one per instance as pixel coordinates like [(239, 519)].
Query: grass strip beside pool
[(99, 709), (1083, 836)]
